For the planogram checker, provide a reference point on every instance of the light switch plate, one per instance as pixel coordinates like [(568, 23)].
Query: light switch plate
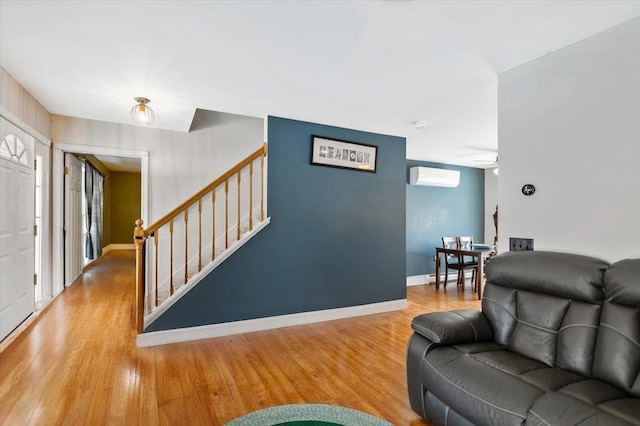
[(520, 244)]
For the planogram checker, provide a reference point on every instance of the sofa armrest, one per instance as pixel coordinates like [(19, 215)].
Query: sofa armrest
[(452, 327)]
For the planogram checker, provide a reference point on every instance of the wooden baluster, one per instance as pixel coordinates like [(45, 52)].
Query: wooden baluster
[(262, 188), (200, 235), (186, 244), (170, 217), (155, 244), (238, 227), (171, 258), (213, 224), (139, 240), (251, 196), (226, 214)]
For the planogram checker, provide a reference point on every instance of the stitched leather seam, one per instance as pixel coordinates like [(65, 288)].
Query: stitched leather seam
[(493, 301), (539, 418), (474, 396), (524, 379), (537, 326), (621, 333), (475, 335), (578, 325), (495, 366)]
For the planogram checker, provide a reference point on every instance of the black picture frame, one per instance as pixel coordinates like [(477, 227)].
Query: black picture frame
[(342, 154)]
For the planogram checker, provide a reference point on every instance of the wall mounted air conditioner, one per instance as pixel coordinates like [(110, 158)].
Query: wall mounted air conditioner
[(429, 176)]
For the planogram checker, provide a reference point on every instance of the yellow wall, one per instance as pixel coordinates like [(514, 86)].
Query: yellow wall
[(125, 205)]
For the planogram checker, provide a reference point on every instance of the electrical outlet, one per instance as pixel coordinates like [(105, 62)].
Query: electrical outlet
[(520, 244)]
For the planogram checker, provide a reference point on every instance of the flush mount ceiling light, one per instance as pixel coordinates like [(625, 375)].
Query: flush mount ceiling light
[(141, 113)]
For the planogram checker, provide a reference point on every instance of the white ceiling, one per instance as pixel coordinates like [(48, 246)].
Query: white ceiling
[(378, 66)]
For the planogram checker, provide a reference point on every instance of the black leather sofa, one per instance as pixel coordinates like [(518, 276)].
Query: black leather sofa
[(557, 343)]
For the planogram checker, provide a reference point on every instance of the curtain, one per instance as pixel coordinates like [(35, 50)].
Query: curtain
[(93, 194)]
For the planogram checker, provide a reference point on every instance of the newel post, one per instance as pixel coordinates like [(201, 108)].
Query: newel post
[(139, 240)]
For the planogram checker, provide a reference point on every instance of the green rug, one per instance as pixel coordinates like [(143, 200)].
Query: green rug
[(308, 415)]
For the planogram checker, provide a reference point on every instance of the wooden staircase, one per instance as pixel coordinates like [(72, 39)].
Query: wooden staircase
[(184, 246)]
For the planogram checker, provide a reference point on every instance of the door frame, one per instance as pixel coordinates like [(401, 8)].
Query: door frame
[(59, 149)]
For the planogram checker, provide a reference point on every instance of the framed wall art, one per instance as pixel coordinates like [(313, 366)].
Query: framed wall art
[(343, 154)]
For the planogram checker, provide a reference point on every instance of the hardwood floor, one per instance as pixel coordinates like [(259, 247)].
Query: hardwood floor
[(77, 363)]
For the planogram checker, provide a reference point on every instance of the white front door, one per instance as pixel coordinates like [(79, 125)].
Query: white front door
[(16, 227), (73, 249)]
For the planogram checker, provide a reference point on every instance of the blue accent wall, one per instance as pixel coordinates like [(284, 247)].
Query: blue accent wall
[(435, 212), (336, 237)]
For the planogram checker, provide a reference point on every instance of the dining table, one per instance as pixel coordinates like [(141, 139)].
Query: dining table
[(479, 251)]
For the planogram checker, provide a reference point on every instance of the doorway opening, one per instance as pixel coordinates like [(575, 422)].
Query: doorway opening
[(62, 249)]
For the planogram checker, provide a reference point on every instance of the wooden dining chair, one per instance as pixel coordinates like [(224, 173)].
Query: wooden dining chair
[(467, 262)]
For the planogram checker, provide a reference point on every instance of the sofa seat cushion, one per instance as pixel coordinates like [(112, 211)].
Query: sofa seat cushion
[(529, 371), (480, 392), (627, 409), (592, 392), (558, 408), (606, 398)]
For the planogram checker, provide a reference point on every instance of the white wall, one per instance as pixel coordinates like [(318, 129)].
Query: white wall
[(569, 123), (490, 202), (15, 99), (180, 164)]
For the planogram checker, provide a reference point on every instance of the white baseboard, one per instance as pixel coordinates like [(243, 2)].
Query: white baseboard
[(118, 247), (419, 280), (248, 326), (431, 278)]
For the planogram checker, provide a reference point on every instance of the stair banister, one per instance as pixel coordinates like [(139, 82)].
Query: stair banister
[(142, 234), (175, 212)]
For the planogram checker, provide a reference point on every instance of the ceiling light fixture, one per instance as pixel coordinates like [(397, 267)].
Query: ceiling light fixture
[(142, 113)]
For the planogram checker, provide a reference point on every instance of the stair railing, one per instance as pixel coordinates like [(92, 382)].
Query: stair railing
[(160, 267)]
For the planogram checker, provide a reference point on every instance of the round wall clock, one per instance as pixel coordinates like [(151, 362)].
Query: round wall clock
[(528, 189)]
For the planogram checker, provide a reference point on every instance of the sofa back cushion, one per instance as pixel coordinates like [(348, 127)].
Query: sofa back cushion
[(566, 275), (577, 338), (546, 306), (617, 354), (539, 318)]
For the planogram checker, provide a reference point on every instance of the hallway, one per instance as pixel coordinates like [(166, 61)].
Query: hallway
[(73, 364), (78, 362)]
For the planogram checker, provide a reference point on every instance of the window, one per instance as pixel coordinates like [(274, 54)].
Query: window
[(13, 149)]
